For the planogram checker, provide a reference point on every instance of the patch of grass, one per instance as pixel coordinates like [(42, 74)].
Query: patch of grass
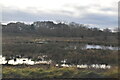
[(37, 72)]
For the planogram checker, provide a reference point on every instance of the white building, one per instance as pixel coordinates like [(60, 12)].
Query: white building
[(43, 62), (3, 60), (82, 66), (65, 65), (21, 61)]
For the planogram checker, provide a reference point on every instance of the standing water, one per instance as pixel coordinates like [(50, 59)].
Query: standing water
[(101, 47)]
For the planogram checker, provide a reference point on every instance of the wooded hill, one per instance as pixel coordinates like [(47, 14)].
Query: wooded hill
[(51, 29)]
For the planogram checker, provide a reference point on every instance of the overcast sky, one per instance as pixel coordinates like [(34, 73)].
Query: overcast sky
[(96, 13)]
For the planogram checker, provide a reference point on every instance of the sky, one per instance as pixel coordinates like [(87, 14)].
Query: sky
[(95, 13)]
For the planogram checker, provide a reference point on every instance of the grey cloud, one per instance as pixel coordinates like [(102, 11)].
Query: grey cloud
[(99, 19), (67, 12), (85, 9), (88, 18), (109, 9)]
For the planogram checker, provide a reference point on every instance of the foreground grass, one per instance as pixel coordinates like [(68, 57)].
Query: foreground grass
[(36, 72)]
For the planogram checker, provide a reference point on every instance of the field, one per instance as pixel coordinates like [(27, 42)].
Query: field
[(37, 72)]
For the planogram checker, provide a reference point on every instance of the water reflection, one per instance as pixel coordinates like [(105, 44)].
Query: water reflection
[(101, 47)]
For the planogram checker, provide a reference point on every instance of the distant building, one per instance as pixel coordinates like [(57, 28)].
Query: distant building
[(3, 60), (21, 61)]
